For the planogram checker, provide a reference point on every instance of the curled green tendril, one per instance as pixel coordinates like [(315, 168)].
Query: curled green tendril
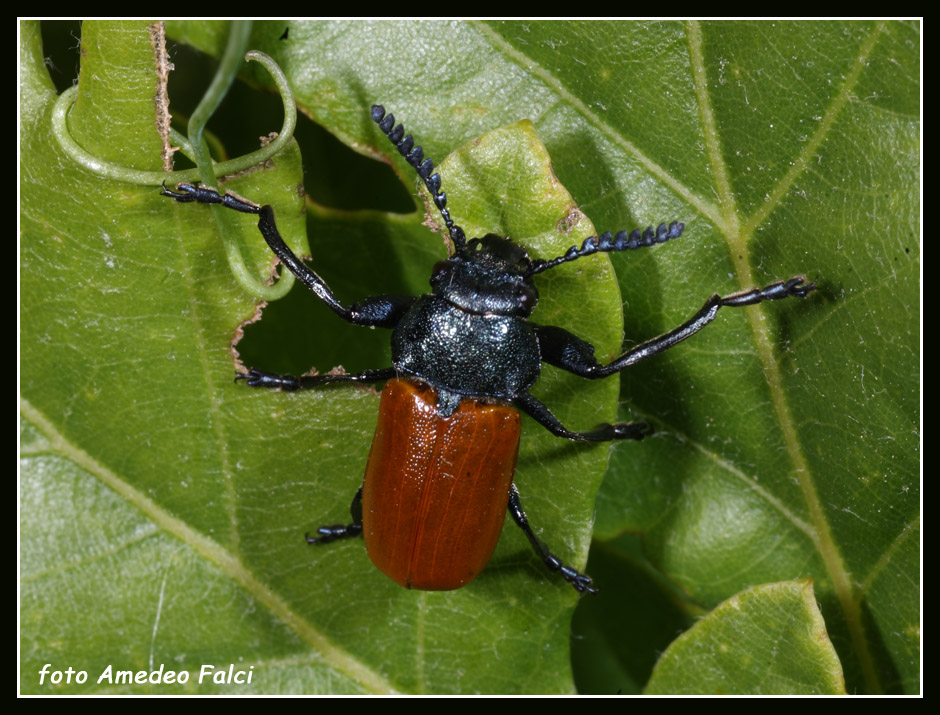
[(119, 172), (238, 36), (228, 67)]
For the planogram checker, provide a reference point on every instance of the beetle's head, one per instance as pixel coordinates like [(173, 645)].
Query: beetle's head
[(490, 275)]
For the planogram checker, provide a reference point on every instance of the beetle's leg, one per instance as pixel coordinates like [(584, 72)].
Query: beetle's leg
[(581, 581), (290, 383), (602, 433), (383, 311), (338, 531), (569, 352)]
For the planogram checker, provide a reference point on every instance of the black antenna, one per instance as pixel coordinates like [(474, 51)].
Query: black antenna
[(414, 155), (604, 244)]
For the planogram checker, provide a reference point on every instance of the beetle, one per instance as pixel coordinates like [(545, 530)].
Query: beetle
[(439, 477)]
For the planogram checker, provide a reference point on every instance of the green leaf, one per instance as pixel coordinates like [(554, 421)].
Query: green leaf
[(616, 641), (789, 434), (162, 506), (769, 639), (174, 478)]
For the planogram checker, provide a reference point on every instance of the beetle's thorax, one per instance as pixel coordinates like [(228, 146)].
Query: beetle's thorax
[(466, 353)]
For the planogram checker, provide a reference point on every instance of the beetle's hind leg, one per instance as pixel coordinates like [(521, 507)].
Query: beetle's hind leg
[(582, 582), (326, 534)]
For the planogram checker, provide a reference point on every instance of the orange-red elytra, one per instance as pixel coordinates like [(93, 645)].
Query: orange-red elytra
[(435, 490)]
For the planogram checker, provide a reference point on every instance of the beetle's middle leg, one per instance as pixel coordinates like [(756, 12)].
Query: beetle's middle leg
[(326, 534), (581, 581), (290, 383), (602, 433)]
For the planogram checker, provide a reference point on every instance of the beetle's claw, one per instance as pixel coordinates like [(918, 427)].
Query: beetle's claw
[(184, 193), (254, 378), (332, 533), (632, 430), (798, 287), (326, 534), (581, 581)]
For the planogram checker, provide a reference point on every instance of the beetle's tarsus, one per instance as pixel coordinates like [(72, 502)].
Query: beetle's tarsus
[(328, 534), (795, 287), (581, 581), (188, 193), (632, 430), (257, 378)]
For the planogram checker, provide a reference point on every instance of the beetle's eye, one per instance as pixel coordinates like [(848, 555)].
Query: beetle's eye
[(526, 298), (440, 272)]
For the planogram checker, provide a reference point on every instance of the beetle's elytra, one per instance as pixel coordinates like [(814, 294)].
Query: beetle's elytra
[(439, 475), (441, 535)]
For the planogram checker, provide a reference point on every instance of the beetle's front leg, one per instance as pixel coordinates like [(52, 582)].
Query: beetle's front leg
[(582, 582), (569, 352), (383, 311), (290, 383), (339, 531)]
